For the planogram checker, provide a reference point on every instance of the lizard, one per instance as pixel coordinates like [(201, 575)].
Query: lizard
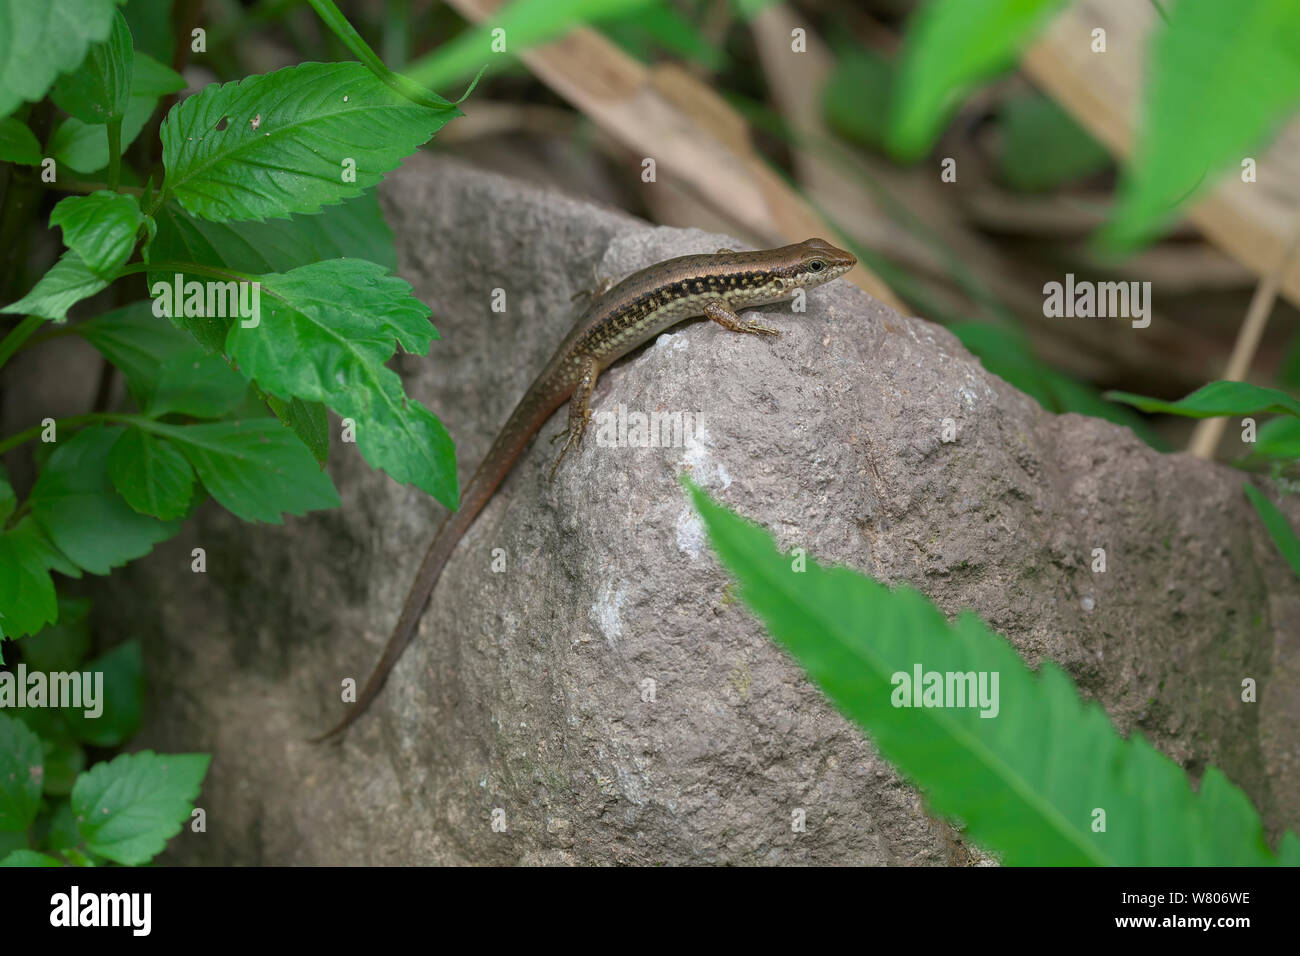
[(615, 322)]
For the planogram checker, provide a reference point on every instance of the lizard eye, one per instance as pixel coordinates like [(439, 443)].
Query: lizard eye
[(816, 266)]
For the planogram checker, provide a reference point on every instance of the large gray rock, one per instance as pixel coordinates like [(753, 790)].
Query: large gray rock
[(523, 690)]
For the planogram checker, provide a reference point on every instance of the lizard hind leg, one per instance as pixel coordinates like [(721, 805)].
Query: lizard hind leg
[(579, 409)]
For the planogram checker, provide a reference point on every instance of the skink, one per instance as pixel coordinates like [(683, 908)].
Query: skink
[(634, 311)]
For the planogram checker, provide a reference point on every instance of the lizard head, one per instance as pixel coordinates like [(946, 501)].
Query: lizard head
[(816, 261)]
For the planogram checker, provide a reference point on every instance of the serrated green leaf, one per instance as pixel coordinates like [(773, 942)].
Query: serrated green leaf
[(1222, 76), (1217, 399), (1028, 779), (1043, 147), (64, 643), (27, 601), (127, 809), (122, 702), (99, 90), (326, 331), (84, 147), (354, 229), (29, 858), (74, 503), (68, 282), (18, 144), (1279, 529), (153, 477), (289, 141), (308, 420), (100, 228), (198, 384), (21, 769), (43, 39), (950, 46), (256, 468)]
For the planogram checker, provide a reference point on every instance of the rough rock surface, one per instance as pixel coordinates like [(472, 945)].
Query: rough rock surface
[(523, 689)]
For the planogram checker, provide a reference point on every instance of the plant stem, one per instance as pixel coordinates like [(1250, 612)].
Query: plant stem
[(12, 342), (114, 152), (73, 421)]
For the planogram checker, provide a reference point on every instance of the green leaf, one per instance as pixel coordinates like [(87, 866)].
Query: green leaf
[(74, 503), (354, 229), (1043, 147), (63, 644), (857, 96), (63, 833), (68, 282), (100, 228), (309, 422), (1288, 851), (27, 601), (21, 772), (41, 40), (128, 809), (1027, 768), (1005, 352), (99, 90), (1222, 78), (8, 499), (166, 371), (153, 477), (1278, 439), (150, 22), (951, 46), (1279, 529), (84, 147), (29, 858), (255, 468), (18, 144), (64, 760), (1217, 399), (122, 702), (287, 142), (326, 331)]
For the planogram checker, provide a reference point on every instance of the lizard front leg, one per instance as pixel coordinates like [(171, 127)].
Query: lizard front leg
[(731, 322), (579, 407)]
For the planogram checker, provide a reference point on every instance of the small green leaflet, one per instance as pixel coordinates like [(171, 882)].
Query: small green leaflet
[(256, 469), (43, 39), (1026, 781), (1217, 399), (27, 601), (84, 147), (1042, 147), (308, 420), (951, 45), (75, 504), (151, 475), (64, 644), (18, 144), (21, 773), (68, 282), (100, 228), (128, 808), (166, 370), (288, 142), (123, 699), (1279, 528), (99, 90), (29, 858), (326, 331)]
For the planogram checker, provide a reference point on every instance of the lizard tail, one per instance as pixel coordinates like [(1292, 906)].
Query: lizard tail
[(527, 418)]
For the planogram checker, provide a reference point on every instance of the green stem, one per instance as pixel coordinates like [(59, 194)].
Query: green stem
[(12, 342), (114, 152), (74, 421)]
